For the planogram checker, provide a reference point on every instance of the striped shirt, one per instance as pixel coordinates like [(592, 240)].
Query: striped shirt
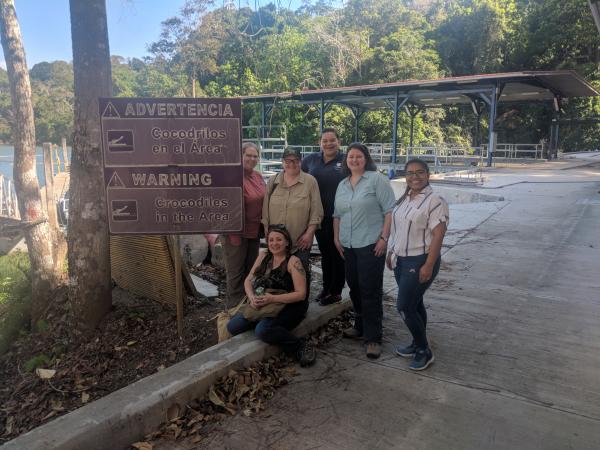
[(413, 221)]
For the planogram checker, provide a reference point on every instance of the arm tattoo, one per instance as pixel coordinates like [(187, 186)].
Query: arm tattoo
[(299, 267)]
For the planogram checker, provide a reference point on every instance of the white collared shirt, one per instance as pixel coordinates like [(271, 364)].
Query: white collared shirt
[(413, 221)]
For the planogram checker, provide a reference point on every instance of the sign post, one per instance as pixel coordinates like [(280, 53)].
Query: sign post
[(171, 166)]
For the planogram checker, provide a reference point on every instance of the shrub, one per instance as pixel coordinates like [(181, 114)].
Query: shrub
[(15, 296)]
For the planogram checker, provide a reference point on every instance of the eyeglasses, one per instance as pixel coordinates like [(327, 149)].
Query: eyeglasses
[(291, 161), (420, 173)]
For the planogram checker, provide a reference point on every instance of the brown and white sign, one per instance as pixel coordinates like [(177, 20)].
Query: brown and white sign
[(172, 166)]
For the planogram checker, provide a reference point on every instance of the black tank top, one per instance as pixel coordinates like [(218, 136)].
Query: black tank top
[(278, 278)]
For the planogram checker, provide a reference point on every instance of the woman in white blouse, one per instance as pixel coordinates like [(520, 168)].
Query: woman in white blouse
[(419, 222)]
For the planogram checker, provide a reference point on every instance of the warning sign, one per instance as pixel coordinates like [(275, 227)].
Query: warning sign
[(172, 166)]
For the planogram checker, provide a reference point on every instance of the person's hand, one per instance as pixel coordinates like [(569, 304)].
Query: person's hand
[(263, 300), (235, 240), (305, 241), (253, 302), (380, 247), (339, 247), (425, 273), (389, 260)]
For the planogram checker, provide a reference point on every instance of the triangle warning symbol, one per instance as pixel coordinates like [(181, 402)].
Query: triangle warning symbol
[(110, 111), (115, 181)]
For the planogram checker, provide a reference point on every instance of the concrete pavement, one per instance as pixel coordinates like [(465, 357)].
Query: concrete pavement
[(514, 322)]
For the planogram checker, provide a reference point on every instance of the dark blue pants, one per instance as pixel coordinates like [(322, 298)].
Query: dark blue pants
[(410, 295), (364, 275), (332, 263), (274, 330)]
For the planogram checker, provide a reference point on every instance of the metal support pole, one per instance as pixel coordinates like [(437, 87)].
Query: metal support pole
[(395, 130), (412, 129), (263, 121), (491, 141), (322, 116), (357, 114)]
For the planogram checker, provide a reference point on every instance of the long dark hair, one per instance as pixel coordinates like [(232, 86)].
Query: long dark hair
[(369, 164), (423, 165), (281, 229)]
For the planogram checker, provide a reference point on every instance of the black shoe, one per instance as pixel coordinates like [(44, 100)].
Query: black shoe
[(330, 300), (321, 296), (306, 354), (423, 359)]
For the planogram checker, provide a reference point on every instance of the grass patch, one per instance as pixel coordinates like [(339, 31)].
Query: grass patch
[(15, 296)]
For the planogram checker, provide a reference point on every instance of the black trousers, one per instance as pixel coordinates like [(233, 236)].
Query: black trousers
[(332, 263), (364, 274)]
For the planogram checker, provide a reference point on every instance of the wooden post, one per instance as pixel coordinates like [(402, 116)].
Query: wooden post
[(178, 284), (1, 193), (15, 203), (57, 156), (9, 199), (49, 173), (63, 143)]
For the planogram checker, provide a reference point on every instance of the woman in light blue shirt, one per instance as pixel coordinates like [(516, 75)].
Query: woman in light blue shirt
[(361, 225)]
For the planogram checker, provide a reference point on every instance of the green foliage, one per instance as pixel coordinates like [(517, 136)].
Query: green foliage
[(36, 362), (15, 296), (213, 51)]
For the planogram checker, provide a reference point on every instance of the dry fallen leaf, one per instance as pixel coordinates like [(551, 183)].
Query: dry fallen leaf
[(130, 343), (9, 425), (213, 397), (45, 374), (85, 397), (143, 445)]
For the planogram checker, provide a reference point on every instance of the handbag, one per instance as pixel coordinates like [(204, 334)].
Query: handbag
[(249, 313), (224, 317), (270, 310)]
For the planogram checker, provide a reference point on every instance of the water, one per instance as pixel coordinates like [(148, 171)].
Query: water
[(7, 162)]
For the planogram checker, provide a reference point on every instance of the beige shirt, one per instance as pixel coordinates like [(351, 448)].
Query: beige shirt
[(413, 221), (296, 207)]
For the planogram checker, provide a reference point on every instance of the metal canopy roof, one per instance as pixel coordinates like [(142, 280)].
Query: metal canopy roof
[(513, 87)]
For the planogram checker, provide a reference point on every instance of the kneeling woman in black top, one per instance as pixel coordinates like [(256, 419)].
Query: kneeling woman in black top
[(277, 277)]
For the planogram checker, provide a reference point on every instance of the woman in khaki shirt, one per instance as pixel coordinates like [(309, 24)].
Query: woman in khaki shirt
[(293, 200)]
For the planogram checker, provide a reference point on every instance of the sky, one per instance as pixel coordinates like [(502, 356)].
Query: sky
[(132, 25)]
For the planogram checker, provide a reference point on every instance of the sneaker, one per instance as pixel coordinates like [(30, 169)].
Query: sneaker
[(352, 333), (423, 359), (406, 351), (306, 355), (373, 350), (330, 300)]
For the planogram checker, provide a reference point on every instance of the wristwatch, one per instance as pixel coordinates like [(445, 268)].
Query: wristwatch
[(384, 238)]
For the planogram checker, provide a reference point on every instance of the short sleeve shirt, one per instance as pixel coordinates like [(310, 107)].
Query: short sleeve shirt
[(414, 220), (361, 209), (328, 175), (296, 206)]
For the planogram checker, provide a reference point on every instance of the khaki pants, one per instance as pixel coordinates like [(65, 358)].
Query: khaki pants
[(239, 259)]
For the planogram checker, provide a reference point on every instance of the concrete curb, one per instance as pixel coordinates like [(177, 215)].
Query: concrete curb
[(127, 415)]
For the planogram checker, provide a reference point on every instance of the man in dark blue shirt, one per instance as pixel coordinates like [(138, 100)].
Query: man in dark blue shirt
[(326, 167)]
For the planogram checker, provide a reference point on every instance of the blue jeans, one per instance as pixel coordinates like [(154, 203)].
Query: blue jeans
[(410, 295), (364, 275), (274, 330)]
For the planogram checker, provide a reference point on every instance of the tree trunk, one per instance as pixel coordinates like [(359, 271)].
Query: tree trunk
[(39, 235), (89, 261)]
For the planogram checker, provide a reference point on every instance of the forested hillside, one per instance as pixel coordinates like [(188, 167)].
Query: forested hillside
[(210, 51)]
